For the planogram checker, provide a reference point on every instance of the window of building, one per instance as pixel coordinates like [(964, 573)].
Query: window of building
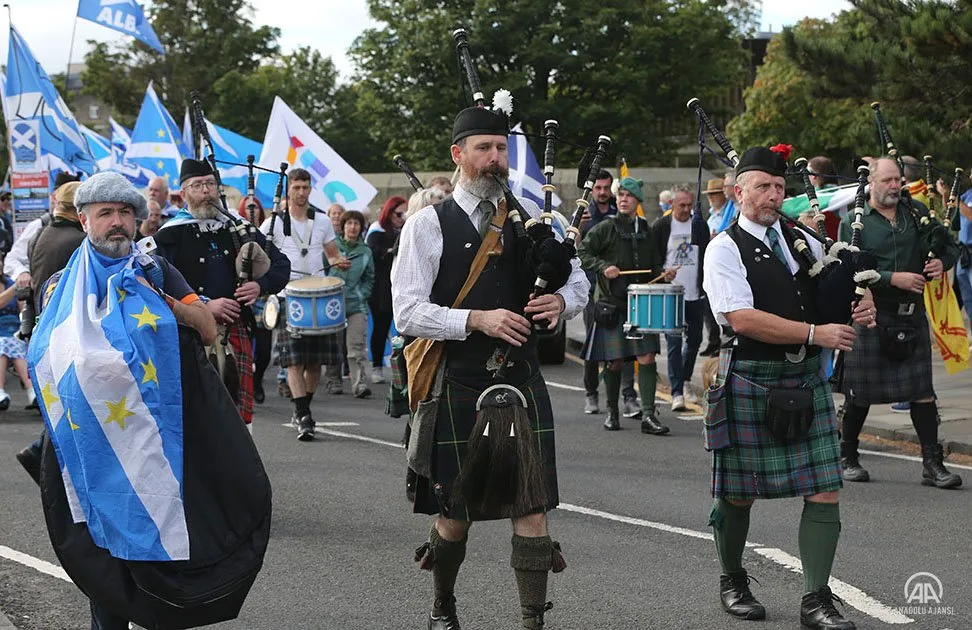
[(93, 112)]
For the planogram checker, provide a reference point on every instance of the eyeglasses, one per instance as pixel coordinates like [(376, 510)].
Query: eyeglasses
[(201, 185)]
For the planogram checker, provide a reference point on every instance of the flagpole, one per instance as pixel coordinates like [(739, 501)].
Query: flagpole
[(67, 75)]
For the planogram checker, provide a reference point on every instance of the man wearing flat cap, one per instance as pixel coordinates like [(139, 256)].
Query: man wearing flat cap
[(436, 252), (200, 242), (771, 424), (624, 242)]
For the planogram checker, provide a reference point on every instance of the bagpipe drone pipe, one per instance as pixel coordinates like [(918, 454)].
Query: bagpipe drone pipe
[(227, 500)]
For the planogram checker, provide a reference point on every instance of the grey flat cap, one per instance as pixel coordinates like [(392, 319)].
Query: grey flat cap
[(108, 187)]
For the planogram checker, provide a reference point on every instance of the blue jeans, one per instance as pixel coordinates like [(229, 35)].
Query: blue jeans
[(101, 619), (963, 277), (682, 349)]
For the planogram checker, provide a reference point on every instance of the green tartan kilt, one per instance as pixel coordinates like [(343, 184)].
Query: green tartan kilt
[(454, 423), (756, 466), (608, 344)]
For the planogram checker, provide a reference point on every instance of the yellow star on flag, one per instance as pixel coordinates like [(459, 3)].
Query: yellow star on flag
[(147, 318), (121, 294), (71, 424), (160, 133), (165, 177), (150, 373), (160, 164), (47, 394), (118, 413)]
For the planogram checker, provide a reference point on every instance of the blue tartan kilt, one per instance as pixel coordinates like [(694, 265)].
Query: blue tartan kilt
[(756, 466), (454, 423)]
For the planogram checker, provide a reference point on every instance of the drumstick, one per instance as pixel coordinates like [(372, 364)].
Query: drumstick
[(633, 271)]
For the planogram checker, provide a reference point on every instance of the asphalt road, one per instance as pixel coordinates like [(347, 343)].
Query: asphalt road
[(633, 527)]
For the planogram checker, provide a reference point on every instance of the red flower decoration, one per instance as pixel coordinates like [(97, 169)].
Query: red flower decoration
[(783, 149)]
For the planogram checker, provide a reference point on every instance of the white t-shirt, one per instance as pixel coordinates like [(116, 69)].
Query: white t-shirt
[(305, 245), (683, 254)]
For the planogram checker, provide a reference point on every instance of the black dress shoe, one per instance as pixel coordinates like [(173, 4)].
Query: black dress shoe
[(258, 394), (737, 599), (817, 611), (652, 426), (444, 617), (611, 423), (30, 459)]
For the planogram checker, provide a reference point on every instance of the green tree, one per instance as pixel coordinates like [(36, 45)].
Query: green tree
[(615, 67)]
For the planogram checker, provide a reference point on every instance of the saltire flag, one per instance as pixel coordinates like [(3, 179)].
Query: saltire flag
[(230, 146), (526, 176), (121, 139), (124, 16), (622, 173), (100, 148), (187, 140), (289, 139), (947, 325), (156, 143), (30, 95), (109, 386)]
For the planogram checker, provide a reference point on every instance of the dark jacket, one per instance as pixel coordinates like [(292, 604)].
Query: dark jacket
[(383, 245), (613, 242), (662, 228)]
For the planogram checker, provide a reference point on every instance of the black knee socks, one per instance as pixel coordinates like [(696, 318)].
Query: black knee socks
[(853, 422), (448, 556), (924, 417)]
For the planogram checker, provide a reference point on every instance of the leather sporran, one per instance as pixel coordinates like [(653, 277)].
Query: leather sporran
[(789, 414), (607, 313)]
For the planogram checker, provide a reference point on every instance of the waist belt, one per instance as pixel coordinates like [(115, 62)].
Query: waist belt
[(772, 352), (895, 307)]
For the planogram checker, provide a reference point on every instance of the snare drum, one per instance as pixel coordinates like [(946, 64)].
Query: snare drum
[(315, 306), (655, 308)]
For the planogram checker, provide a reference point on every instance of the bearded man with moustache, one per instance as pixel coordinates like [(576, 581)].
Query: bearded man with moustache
[(436, 251), (199, 243)]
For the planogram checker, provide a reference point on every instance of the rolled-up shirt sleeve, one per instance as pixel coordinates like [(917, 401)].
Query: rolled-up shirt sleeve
[(724, 279), (413, 275)]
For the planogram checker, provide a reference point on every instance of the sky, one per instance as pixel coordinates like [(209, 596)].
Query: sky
[(328, 25)]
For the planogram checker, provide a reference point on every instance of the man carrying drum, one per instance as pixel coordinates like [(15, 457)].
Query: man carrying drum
[(305, 235), (623, 242)]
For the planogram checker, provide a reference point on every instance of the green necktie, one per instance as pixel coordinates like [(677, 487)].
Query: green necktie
[(486, 209), (774, 242)]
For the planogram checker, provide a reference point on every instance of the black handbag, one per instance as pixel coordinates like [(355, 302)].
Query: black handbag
[(607, 313), (789, 414)]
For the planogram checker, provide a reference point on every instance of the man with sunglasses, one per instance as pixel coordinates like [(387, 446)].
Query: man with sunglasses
[(199, 242)]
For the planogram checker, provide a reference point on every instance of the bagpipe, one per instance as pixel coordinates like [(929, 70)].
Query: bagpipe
[(228, 528), (843, 269)]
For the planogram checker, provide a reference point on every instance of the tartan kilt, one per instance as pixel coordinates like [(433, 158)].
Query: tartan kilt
[(756, 466), (308, 349), (608, 344), (454, 423), (871, 378), (239, 339)]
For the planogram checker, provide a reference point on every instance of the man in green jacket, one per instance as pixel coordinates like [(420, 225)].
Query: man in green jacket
[(620, 243)]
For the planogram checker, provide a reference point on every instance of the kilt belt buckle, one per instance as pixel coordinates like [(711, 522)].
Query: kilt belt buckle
[(906, 308), (796, 357)]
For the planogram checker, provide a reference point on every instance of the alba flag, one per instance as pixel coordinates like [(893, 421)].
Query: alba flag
[(290, 140), (946, 324)]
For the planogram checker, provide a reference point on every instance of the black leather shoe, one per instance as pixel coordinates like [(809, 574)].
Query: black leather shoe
[(849, 460), (258, 394), (737, 599), (934, 472), (611, 423), (652, 426), (443, 616), (817, 611), (30, 459)]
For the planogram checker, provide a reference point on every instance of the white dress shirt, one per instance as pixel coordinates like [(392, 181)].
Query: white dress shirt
[(724, 277), (417, 266)]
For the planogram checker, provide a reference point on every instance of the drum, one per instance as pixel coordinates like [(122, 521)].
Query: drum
[(655, 308), (315, 306), (271, 312)]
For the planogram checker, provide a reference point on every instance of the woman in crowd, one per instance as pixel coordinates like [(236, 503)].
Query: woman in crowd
[(382, 239), (358, 283), (11, 348)]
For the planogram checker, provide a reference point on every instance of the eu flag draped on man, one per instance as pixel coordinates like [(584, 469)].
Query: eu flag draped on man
[(110, 390)]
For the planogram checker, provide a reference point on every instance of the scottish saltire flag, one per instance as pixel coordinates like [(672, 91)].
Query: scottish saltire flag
[(526, 178), (121, 139), (30, 95), (124, 16), (99, 147), (289, 139), (187, 140), (156, 143), (110, 389), (230, 146)]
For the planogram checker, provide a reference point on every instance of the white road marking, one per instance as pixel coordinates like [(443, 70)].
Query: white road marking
[(910, 458), (572, 388), (325, 424), (34, 563), (363, 438)]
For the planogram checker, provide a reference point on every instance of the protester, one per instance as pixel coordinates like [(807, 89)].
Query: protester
[(12, 349), (382, 238), (359, 279)]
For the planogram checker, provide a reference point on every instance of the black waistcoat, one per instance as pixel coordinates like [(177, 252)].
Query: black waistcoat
[(495, 288), (775, 290), (205, 258)]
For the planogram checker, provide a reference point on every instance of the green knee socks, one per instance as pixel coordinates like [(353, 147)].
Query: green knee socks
[(531, 560), (448, 557), (730, 526), (647, 383), (819, 531), (612, 388)]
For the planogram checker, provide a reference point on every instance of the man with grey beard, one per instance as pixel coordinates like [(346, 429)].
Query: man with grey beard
[(436, 251), (200, 243)]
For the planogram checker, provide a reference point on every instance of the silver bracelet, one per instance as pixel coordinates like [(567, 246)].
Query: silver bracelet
[(810, 337)]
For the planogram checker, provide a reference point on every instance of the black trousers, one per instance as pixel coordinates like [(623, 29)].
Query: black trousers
[(262, 345), (381, 321)]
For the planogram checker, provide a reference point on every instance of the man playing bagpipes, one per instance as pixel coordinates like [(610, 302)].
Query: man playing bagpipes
[(200, 242), (459, 281), (771, 423), (109, 366), (892, 362)]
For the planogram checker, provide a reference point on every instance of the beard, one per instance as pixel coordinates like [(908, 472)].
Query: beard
[(482, 183), (205, 210), (113, 248), (888, 199), (765, 215)]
